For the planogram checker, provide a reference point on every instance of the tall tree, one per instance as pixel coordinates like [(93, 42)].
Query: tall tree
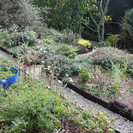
[(97, 10), (62, 14)]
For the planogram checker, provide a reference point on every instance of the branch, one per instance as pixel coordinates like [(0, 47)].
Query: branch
[(106, 6), (90, 28), (93, 19)]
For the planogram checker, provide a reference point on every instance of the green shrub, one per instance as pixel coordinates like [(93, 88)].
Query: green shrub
[(69, 37), (32, 108), (86, 62), (84, 43), (127, 27), (66, 36), (72, 56), (18, 12), (118, 71), (84, 74), (59, 65), (30, 32), (104, 56), (112, 40), (3, 34), (7, 35)]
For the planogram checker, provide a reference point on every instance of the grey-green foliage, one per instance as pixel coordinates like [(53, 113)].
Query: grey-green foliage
[(84, 62), (18, 12), (64, 67), (60, 65), (105, 56)]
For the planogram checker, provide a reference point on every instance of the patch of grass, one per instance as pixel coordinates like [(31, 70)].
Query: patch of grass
[(65, 48)]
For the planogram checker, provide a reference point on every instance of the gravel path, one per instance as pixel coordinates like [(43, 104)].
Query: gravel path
[(121, 124), (6, 56)]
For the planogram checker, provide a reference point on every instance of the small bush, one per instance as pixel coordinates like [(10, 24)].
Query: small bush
[(112, 40), (59, 65), (18, 38), (72, 56), (18, 12), (104, 56), (83, 42), (84, 74), (69, 37)]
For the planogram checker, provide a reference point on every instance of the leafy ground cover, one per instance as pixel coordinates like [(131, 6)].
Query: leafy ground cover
[(29, 106), (6, 72), (99, 74), (33, 47)]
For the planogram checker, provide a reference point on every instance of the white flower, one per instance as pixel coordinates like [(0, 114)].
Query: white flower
[(59, 81), (48, 87), (67, 75), (71, 80), (3, 81), (43, 61), (49, 67), (44, 51)]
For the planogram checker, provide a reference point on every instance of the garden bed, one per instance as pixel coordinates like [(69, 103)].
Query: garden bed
[(110, 86), (102, 85), (35, 54)]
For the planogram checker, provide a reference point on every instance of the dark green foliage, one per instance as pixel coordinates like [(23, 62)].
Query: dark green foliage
[(61, 14), (128, 22), (89, 35), (128, 30)]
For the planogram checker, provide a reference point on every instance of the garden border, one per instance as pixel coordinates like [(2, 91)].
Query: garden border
[(81, 51), (101, 102)]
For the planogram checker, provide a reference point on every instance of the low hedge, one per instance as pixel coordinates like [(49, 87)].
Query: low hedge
[(104, 56)]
